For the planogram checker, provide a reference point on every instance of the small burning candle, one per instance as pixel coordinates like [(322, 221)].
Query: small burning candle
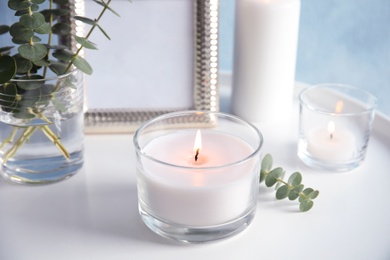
[(331, 144), (335, 125)]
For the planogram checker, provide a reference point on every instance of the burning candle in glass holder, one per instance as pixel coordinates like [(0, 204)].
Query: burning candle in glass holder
[(335, 126), (197, 175)]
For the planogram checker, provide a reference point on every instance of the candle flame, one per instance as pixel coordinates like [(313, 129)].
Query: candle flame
[(339, 106), (197, 144), (331, 128)]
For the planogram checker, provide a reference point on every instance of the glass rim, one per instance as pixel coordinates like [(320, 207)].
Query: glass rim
[(143, 126), (371, 106)]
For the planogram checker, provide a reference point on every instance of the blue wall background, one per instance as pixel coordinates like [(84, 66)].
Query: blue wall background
[(346, 41)]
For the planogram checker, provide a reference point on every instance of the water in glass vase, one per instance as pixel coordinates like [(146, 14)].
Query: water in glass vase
[(41, 159)]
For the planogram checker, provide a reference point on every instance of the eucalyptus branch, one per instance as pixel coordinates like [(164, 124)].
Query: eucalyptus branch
[(292, 189)]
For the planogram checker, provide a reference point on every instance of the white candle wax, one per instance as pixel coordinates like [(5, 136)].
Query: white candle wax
[(266, 38), (197, 196), (331, 146)]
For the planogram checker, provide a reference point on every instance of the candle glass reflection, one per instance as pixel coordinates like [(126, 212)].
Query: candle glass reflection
[(193, 192), (335, 126)]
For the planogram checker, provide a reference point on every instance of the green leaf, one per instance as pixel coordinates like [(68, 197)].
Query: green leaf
[(30, 82), (57, 67), (18, 4), (314, 194), (295, 179), (55, 13), (64, 55), (43, 29), (266, 163), (85, 43), (33, 21), (306, 193), (61, 29), (105, 34), (85, 20), (5, 49), (273, 176), (7, 68), (107, 6), (4, 29), (23, 65), (294, 194), (82, 65), (41, 63), (56, 47), (38, 2), (21, 32), (306, 205), (282, 192), (8, 94), (32, 52)]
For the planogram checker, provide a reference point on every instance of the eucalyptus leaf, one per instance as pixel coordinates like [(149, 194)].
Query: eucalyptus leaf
[(64, 55), (21, 32), (8, 94), (32, 52), (85, 20), (33, 21), (19, 4), (85, 42), (23, 65), (54, 13), (104, 32), (38, 1), (314, 194), (43, 29), (41, 63), (266, 163), (306, 205), (82, 65), (273, 176), (21, 12), (5, 49), (61, 29), (56, 47), (4, 29), (282, 192), (57, 67), (7, 68), (295, 179), (294, 194)]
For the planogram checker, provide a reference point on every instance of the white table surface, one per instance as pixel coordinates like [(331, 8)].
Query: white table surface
[(94, 214)]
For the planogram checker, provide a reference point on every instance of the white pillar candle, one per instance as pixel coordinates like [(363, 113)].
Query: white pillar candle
[(212, 190), (266, 37), (331, 144)]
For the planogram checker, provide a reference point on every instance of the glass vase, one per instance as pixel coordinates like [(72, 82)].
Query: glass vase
[(41, 128)]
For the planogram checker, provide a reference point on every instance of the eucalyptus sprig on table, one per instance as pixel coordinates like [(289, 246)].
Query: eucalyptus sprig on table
[(32, 61), (292, 189)]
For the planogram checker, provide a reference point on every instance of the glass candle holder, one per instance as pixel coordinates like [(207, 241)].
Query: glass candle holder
[(197, 175), (335, 126)]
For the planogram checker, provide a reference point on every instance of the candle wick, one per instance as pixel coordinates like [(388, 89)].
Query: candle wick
[(196, 155), (331, 136)]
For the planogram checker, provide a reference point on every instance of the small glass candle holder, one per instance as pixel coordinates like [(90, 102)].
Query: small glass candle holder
[(335, 126), (197, 175)]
